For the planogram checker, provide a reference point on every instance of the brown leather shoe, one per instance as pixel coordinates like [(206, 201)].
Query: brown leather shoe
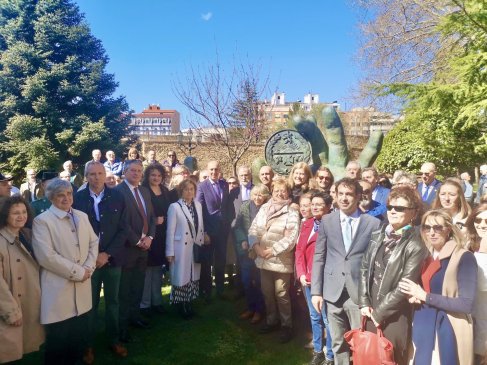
[(119, 350), (247, 314), (256, 318), (89, 356)]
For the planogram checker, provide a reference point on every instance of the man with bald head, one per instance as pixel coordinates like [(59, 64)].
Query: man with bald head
[(213, 195), (429, 185), (266, 174)]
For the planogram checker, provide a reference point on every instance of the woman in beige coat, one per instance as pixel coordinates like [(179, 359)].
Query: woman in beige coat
[(20, 293), (272, 236)]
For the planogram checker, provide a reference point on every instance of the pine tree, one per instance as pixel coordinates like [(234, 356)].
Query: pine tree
[(56, 99)]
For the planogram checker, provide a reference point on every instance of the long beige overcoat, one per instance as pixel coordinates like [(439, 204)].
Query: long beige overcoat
[(20, 298), (64, 249)]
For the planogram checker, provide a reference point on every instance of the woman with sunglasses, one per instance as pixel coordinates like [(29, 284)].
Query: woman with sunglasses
[(395, 252), (477, 233), (451, 198), (442, 325), (324, 179)]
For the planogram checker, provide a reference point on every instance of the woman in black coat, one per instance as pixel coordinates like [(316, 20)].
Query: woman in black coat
[(396, 251), (154, 176)]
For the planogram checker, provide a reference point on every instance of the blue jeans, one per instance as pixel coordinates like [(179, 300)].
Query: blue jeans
[(250, 277), (317, 322)]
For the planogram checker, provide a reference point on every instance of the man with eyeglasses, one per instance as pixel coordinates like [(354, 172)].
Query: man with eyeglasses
[(172, 160), (429, 185), (324, 178), (368, 205)]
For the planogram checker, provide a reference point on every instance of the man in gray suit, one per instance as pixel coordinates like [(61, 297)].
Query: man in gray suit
[(342, 240)]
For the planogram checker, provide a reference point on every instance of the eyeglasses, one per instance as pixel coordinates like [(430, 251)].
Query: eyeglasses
[(232, 183), (397, 208), (437, 228), (479, 220), (460, 225), (327, 178), (171, 155)]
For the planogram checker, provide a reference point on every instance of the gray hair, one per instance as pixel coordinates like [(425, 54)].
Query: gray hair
[(129, 163), (56, 186), (90, 164)]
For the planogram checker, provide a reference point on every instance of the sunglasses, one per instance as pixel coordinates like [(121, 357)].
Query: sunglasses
[(437, 228), (232, 183), (460, 225), (397, 208), (171, 155), (327, 178), (479, 220)]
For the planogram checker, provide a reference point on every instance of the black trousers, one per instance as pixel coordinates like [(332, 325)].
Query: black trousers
[(67, 340), (216, 254), (131, 291)]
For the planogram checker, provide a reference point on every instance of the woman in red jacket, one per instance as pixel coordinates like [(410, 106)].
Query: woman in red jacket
[(305, 249)]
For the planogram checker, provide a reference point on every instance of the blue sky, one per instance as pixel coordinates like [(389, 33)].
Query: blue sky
[(304, 46)]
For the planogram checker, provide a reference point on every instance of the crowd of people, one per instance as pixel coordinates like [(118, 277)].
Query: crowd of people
[(409, 255)]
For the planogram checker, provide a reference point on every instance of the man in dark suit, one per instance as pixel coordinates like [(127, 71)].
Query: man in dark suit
[(429, 185), (139, 234), (105, 208), (343, 238), (242, 192), (213, 196), (31, 187)]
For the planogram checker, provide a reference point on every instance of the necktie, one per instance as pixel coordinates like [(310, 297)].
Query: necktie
[(425, 194), (347, 237), (141, 210), (217, 191), (316, 225)]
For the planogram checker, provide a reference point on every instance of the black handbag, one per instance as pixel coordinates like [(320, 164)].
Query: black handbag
[(197, 251)]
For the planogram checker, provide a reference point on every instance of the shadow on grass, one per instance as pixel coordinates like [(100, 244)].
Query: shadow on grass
[(215, 336)]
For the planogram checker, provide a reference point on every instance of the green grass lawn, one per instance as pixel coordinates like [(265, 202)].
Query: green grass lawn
[(215, 336)]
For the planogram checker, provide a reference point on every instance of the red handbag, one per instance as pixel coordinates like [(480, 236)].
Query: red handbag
[(369, 348)]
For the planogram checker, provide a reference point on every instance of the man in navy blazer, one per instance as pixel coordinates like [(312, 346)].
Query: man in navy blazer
[(379, 192), (429, 185), (213, 196), (343, 238)]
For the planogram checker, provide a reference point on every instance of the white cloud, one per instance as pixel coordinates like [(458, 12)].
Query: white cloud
[(207, 16)]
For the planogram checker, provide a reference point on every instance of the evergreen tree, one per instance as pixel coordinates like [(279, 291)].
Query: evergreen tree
[(56, 100)]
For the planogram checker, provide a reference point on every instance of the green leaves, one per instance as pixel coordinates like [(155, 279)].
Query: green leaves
[(54, 91)]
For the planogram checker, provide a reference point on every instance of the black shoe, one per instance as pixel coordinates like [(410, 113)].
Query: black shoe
[(146, 312), (140, 323), (318, 358), (125, 337), (159, 309), (285, 335), (268, 328), (184, 311)]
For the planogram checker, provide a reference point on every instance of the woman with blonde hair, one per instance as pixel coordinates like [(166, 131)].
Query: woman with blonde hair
[(442, 324), (299, 180), (272, 236), (250, 275), (451, 198)]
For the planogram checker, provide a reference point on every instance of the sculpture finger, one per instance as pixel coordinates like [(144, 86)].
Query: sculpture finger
[(319, 148), (371, 149), (335, 137)]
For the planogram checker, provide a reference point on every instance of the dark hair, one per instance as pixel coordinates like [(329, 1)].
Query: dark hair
[(387, 182), (153, 166), (315, 193), (350, 183), (472, 236), (413, 198), (7, 205)]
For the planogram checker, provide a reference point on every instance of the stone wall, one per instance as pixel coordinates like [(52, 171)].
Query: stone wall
[(208, 151)]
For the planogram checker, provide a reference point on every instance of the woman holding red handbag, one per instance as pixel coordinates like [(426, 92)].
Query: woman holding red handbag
[(395, 252)]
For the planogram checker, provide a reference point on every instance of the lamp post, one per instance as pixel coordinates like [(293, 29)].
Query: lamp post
[(192, 142)]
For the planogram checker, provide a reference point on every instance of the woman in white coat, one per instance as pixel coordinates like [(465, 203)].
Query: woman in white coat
[(185, 233)]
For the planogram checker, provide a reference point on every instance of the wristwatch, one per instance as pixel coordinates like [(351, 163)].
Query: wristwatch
[(152, 238)]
